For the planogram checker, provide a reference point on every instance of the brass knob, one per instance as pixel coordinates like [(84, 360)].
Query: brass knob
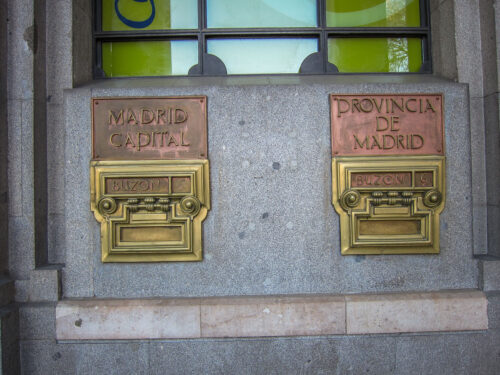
[(190, 205), (432, 198), (107, 206), (349, 199)]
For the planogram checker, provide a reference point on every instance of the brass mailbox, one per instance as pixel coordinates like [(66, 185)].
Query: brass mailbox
[(149, 177), (388, 172)]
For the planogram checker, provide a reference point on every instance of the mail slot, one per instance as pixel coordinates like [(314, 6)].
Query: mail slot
[(388, 190), (149, 177)]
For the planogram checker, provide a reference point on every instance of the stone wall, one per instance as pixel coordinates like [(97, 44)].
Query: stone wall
[(4, 208), (272, 229)]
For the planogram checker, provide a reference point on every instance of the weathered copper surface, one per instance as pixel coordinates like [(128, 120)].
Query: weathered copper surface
[(145, 185), (149, 128), (181, 185), (399, 124), (424, 179), (388, 179)]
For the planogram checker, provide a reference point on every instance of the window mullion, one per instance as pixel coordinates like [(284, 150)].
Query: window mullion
[(202, 21), (152, 34), (378, 30), (321, 11), (423, 13), (323, 48)]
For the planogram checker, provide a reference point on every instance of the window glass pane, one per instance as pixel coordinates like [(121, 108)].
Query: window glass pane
[(155, 58), (261, 13), (372, 13), (119, 15), (261, 56), (358, 55)]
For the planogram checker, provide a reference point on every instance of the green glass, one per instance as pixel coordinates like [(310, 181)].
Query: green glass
[(155, 58), (262, 56), (372, 13), (149, 15), (375, 55), (261, 13)]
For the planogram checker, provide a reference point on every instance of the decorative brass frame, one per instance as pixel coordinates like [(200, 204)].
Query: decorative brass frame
[(178, 214), (414, 208)]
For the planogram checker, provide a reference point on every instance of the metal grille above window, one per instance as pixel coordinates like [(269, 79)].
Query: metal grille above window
[(219, 37)]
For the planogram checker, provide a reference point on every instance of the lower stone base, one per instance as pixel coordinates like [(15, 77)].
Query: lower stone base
[(441, 353), (9, 339), (402, 354)]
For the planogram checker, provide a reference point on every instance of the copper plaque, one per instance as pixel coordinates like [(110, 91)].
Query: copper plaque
[(149, 128), (398, 124)]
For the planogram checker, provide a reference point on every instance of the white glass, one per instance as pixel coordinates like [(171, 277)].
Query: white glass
[(262, 56), (261, 13)]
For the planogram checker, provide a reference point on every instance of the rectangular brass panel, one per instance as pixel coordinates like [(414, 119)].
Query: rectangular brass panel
[(157, 128), (148, 217), (389, 227), (400, 218), (151, 234), (150, 210), (392, 211)]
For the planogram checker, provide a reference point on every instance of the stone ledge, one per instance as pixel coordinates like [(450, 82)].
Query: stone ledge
[(259, 317), (270, 316), (127, 319), (416, 312)]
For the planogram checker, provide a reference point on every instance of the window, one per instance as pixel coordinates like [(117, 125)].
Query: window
[(218, 37)]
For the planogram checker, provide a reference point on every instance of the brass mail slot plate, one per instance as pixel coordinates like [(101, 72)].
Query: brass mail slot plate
[(388, 171), (388, 204), (150, 210), (156, 128)]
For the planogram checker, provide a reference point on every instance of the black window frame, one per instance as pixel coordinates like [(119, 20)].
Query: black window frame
[(210, 65)]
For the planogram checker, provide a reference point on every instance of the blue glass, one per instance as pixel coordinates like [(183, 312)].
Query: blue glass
[(149, 14)]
